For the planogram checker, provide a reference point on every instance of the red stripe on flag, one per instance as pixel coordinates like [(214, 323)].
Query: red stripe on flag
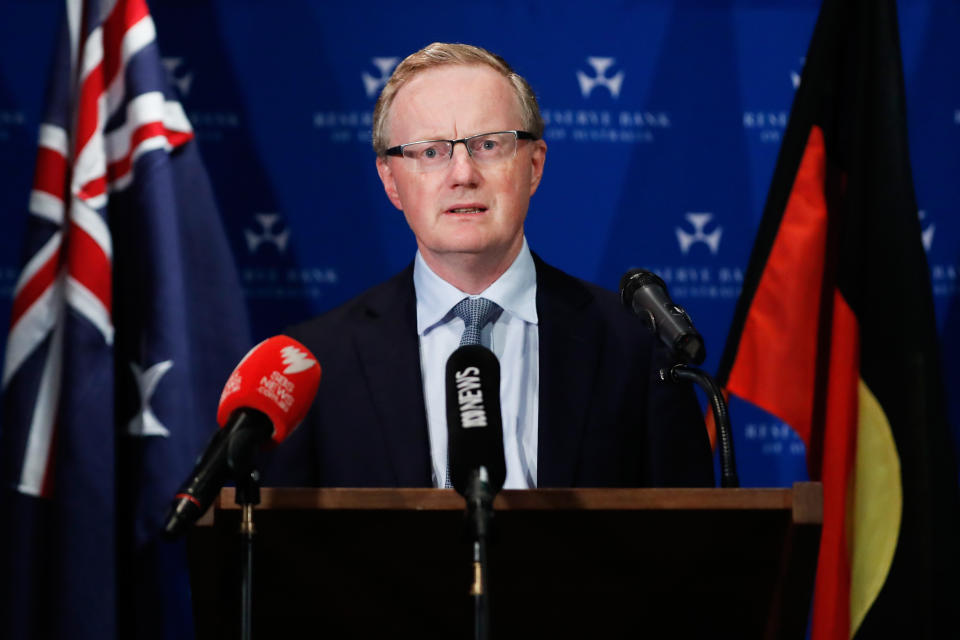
[(177, 138), (123, 16), (831, 593), (87, 108), (93, 188), (776, 365), (50, 175), (35, 287), (89, 265)]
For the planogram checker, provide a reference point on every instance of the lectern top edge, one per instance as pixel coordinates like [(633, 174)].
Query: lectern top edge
[(804, 500)]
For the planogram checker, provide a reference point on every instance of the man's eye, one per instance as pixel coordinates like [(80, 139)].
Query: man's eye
[(433, 152), (488, 144)]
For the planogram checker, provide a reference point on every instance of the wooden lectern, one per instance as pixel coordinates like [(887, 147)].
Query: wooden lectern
[(564, 563)]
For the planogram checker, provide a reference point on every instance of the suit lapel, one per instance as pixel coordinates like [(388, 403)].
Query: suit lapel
[(569, 340), (387, 344)]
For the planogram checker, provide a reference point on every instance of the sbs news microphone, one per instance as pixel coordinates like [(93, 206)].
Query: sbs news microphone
[(646, 295), (474, 422), (265, 398)]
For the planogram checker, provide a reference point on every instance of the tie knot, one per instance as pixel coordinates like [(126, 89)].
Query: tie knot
[(475, 313)]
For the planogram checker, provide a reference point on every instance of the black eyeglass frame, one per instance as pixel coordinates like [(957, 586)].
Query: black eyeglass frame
[(521, 135)]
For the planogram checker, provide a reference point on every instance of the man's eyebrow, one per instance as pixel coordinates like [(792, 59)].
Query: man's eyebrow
[(461, 137), (435, 136)]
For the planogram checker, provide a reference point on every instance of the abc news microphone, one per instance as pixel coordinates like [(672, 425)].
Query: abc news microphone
[(474, 423), (475, 454), (264, 400)]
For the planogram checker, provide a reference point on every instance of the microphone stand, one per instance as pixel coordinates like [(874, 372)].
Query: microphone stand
[(241, 460), (248, 495), (721, 417), (479, 514)]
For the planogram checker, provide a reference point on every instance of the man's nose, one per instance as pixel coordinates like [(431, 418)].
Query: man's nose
[(463, 168)]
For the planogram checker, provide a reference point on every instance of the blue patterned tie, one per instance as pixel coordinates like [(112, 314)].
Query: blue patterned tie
[(476, 313)]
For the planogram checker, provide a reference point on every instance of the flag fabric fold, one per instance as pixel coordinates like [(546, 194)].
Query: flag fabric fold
[(127, 318), (835, 334)]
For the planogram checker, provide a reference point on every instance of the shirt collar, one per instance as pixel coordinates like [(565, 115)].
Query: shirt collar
[(515, 291)]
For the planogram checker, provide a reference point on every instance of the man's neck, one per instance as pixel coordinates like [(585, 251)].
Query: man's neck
[(472, 273)]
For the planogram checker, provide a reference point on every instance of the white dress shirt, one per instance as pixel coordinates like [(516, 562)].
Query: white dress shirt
[(514, 339)]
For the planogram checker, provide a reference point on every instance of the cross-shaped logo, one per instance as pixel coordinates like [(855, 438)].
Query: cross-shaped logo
[(145, 422), (699, 222), (371, 83), (600, 66), (267, 236), (182, 82)]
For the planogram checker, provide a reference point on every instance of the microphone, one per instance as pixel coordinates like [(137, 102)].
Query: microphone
[(475, 453), (265, 398), (474, 422), (646, 295)]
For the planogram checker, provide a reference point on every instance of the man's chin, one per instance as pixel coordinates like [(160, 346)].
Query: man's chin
[(473, 249), (465, 250)]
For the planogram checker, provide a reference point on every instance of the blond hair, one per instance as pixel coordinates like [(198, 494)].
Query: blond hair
[(443, 53)]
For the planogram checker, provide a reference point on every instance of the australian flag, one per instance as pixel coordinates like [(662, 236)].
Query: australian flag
[(127, 318)]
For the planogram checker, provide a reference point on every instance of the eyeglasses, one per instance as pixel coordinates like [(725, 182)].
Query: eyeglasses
[(484, 148)]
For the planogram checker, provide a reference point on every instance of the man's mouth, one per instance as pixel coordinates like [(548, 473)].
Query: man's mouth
[(467, 210)]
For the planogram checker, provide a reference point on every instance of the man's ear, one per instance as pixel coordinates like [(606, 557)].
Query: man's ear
[(389, 183), (538, 157)]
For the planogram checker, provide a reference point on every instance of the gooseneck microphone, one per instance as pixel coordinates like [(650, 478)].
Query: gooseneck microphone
[(475, 453), (263, 401), (646, 295)]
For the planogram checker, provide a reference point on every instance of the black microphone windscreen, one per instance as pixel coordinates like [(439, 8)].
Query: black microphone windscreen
[(633, 280), (646, 295), (474, 421)]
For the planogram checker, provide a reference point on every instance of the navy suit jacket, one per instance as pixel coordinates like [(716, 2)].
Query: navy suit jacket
[(606, 418)]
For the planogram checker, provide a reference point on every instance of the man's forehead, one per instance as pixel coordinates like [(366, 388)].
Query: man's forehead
[(454, 95)]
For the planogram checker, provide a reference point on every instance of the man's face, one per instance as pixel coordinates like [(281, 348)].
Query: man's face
[(462, 208)]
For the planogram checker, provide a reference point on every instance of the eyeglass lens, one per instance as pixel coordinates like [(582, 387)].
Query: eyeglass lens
[(486, 148)]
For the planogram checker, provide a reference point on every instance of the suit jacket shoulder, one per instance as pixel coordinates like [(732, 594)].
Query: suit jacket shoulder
[(366, 427), (391, 297)]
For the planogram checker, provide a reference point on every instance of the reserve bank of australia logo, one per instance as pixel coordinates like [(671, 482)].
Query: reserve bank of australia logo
[(600, 78), (371, 83), (177, 75), (267, 234), (699, 223)]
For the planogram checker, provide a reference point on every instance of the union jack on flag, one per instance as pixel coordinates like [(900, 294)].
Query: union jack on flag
[(127, 318)]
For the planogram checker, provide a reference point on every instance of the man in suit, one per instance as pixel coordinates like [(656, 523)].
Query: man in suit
[(458, 137)]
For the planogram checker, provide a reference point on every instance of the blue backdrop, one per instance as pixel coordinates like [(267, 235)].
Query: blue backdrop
[(664, 120)]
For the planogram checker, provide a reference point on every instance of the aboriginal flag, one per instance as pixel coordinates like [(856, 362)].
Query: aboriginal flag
[(835, 334)]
